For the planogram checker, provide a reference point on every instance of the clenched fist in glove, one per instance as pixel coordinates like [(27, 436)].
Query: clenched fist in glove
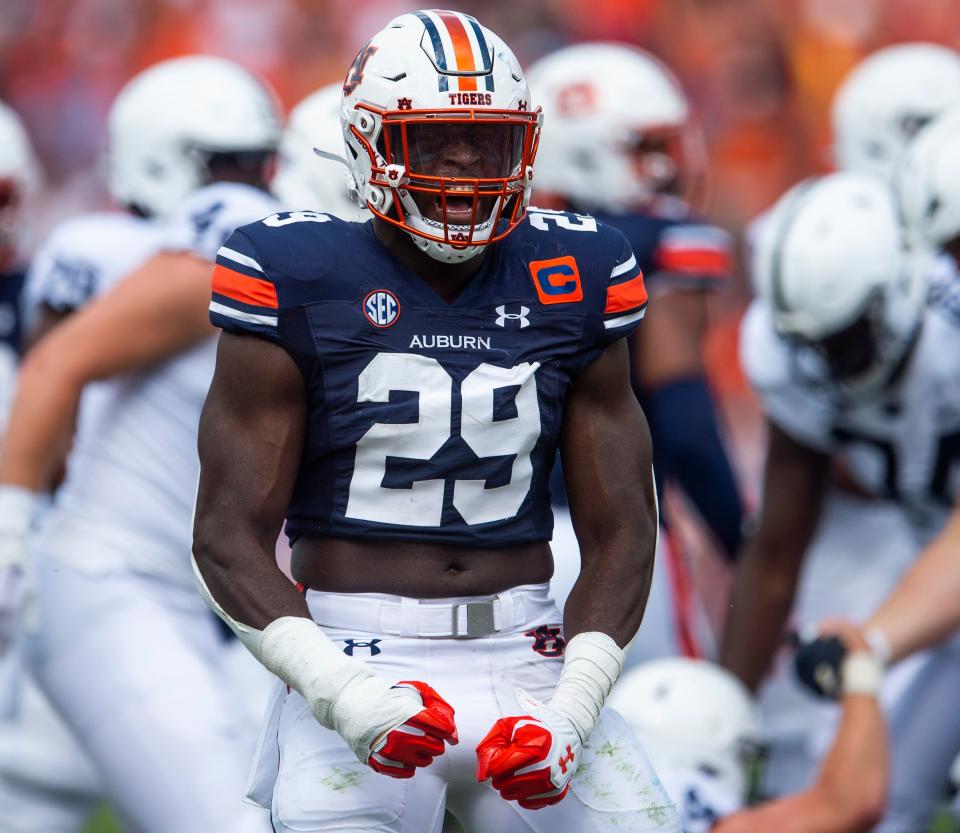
[(392, 728), (419, 739), (530, 758)]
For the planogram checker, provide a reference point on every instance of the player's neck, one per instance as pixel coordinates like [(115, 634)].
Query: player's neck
[(448, 280)]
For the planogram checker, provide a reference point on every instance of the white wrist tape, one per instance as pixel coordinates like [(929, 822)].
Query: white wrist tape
[(592, 663), (861, 673), (344, 694), (17, 508)]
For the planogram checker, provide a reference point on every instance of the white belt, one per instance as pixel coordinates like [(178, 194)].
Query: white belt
[(468, 619)]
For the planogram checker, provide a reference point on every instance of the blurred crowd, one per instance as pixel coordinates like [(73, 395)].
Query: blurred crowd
[(760, 72)]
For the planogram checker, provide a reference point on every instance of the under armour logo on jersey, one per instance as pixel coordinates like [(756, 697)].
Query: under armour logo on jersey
[(353, 644), (520, 316), (547, 641), (565, 760)]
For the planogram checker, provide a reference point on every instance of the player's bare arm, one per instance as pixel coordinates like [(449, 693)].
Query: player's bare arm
[(251, 434), (608, 471), (669, 345), (153, 314), (849, 794), (765, 583), (923, 609)]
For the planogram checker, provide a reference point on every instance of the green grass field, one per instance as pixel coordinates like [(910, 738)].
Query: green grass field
[(102, 822)]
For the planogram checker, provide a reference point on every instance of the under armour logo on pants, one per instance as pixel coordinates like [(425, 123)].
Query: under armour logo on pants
[(371, 646)]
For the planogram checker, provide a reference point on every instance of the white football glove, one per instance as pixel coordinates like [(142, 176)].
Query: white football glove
[(17, 508), (531, 758)]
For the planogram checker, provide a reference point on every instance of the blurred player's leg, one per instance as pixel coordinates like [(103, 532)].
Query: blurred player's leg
[(132, 662), (926, 739), (861, 549), (47, 785)]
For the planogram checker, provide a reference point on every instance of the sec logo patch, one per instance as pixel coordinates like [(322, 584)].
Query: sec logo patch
[(557, 280), (381, 307)]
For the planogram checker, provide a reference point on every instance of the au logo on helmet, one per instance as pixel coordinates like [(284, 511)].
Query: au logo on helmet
[(381, 308)]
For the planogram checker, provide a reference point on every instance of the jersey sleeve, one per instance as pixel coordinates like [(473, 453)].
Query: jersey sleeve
[(626, 296), (244, 297), (204, 220), (59, 278), (693, 256)]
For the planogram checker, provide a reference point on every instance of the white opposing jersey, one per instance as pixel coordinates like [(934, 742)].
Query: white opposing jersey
[(701, 801), (133, 472), (85, 257), (904, 445)]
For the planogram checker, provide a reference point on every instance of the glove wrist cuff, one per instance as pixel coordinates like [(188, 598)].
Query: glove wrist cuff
[(879, 644), (17, 508), (592, 664)]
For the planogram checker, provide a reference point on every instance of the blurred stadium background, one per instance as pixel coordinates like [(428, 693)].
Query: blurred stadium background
[(760, 73)]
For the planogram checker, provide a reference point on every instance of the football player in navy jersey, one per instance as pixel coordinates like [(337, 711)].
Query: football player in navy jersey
[(619, 143), (397, 391)]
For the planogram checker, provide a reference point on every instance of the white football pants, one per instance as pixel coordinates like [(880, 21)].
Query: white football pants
[(313, 782), (140, 672), (47, 784)]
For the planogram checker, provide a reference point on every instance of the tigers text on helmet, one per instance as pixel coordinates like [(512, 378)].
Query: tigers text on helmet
[(692, 717), (304, 178), (440, 132), (928, 183), (617, 129), (172, 120), (19, 178), (886, 99), (833, 265)]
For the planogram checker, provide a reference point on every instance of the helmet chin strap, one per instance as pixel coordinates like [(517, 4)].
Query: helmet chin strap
[(444, 252)]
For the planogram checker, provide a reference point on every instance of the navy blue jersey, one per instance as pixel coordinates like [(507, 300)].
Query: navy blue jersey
[(429, 421), (675, 251), (11, 322)]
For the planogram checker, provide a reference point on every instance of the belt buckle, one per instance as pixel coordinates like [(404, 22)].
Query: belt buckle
[(480, 620)]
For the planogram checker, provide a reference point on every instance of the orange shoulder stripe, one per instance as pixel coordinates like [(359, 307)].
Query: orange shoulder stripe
[(243, 288), (627, 295)]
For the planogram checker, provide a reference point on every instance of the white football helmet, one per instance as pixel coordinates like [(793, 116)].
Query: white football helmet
[(833, 265), (305, 179), (617, 129), (168, 121), (886, 99), (928, 182), (19, 178), (692, 717), (440, 132)]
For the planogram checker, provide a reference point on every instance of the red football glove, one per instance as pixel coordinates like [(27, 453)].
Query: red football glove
[(418, 740), (531, 758)]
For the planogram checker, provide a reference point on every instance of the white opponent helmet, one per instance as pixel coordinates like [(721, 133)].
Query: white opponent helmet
[(886, 99), (440, 131), (833, 266), (169, 120), (928, 182), (19, 178), (304, 178), (617, 129), (692, 717)]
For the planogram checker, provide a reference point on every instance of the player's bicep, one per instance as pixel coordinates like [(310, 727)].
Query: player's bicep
[(251, 436), (605, 445)]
